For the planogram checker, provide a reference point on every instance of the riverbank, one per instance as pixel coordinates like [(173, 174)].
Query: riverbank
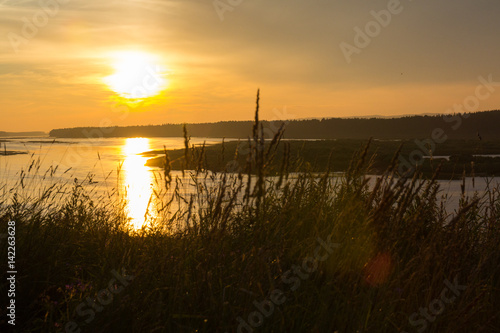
[(302, 255), (238, 254), (454, 157)]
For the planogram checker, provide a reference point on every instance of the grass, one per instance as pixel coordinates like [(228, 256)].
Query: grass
[(319, 155), (241, 239)]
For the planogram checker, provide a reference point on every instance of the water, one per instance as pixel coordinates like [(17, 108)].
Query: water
[(101, 159), (450, 191), (106, 165)]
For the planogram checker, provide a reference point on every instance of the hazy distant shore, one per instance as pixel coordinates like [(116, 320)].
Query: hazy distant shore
[(21, 134), (10, 152)]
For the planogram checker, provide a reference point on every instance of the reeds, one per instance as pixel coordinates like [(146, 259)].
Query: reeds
[(211, 253)]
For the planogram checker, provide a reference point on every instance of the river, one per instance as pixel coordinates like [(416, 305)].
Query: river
[(111, 164)]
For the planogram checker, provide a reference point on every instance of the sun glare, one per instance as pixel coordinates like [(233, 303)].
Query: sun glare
[(137, 75), (137, 181)]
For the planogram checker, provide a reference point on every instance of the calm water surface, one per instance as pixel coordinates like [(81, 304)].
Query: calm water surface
[(101, 159), (111, 163)]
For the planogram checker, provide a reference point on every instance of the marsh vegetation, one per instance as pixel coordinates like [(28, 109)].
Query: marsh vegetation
[(204, 265)]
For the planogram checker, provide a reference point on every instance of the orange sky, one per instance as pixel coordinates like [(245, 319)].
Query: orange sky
[(421, 57)]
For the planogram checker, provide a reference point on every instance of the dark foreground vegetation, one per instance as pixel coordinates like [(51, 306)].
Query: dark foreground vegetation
[(304, 254)]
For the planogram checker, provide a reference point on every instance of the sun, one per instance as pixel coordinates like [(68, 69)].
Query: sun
[(138, 75)]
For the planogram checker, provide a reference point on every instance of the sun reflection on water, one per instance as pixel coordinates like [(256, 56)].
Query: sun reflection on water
[(137, 181)]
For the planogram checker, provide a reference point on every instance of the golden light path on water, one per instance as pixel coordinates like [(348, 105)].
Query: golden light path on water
[(137, 181)]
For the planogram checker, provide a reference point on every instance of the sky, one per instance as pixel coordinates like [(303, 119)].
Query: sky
[(206, 59)]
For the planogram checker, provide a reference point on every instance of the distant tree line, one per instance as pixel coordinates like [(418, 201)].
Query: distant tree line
[(480, 125), (10, 134)]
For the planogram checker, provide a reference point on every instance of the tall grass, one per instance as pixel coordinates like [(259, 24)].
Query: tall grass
[(208, 256)]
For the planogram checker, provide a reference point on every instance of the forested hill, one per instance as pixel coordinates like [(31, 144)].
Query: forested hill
[(459, 126)]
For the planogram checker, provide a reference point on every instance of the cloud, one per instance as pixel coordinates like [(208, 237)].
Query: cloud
[(290, 48)]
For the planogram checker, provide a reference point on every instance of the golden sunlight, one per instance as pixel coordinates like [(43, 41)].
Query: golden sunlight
[(138, 75), (137, 181)]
